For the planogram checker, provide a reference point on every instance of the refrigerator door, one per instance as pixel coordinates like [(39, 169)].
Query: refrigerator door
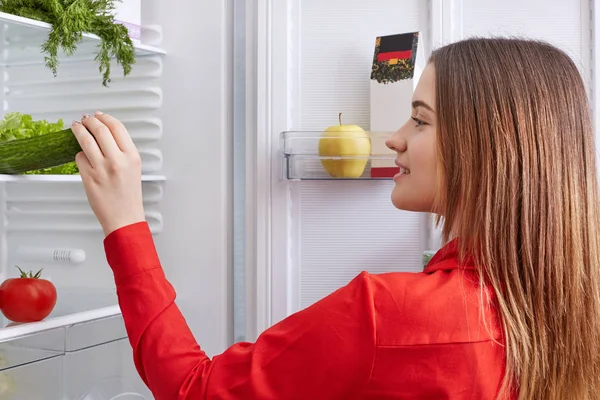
[(321, 231), (310, 60)]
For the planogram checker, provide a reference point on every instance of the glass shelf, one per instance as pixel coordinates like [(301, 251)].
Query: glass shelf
[(34, 356), (73, 306), (23, 38), (344, 156)]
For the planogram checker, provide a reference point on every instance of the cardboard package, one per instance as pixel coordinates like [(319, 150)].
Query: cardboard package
[(397, 66)]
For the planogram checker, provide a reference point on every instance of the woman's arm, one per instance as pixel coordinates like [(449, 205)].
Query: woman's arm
[(324, 351)]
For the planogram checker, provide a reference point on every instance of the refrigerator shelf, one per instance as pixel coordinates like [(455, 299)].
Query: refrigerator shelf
[(74, 306), (346, 156), (83, 318), (68, 355), (65, 178), (24, 37)]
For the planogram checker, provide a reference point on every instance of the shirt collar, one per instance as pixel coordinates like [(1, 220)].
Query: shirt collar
[(446, 259)]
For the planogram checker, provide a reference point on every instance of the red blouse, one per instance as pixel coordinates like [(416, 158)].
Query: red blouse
[(388, 336)]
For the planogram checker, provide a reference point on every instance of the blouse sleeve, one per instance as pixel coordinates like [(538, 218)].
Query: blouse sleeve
[(324, 351)]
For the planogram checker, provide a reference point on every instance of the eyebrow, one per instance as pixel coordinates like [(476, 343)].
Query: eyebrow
[(421, 103)]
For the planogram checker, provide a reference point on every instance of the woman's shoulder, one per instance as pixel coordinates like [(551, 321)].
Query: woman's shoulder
[(431, 307)]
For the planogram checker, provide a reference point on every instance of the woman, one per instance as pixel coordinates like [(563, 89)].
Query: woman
[(500, 146)]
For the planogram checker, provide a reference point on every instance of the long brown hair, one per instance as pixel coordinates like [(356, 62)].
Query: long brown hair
[(520, 192)]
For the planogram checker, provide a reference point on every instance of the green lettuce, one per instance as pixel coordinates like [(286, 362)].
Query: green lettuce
[(21, 126)]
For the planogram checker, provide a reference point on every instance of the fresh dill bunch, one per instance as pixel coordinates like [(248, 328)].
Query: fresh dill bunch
[(69, 20)]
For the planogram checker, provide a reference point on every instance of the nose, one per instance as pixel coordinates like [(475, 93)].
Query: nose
[(396, 142)]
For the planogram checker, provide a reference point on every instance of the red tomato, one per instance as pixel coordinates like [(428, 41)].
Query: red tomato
[(27, 298)]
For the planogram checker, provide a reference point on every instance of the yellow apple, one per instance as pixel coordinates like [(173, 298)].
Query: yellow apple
[(345, 141)]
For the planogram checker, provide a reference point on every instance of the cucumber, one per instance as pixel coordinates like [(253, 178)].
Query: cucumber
[(38, 152)]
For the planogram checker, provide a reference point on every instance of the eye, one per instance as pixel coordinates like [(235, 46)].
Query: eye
[(418, 121)]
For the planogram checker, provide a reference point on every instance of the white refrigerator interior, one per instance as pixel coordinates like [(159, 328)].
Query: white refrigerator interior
[(214, 86), (176, 104)]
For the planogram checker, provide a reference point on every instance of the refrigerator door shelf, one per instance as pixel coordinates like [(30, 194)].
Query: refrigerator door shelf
[(347, 155)]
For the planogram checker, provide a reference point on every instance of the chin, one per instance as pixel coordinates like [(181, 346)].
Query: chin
[(411, 201), (407, 205)]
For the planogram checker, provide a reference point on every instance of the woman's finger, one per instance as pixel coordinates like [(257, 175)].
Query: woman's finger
[(103, 136), (118, 130), (83, 164), (86, 171), (88, 144)]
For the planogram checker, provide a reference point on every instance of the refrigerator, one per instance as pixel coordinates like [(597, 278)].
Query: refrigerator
[(226, 103)]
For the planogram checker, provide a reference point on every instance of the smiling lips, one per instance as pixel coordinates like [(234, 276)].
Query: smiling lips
[(403, 169)]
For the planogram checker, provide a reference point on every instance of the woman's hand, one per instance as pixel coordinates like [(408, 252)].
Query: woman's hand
[(111, 170)]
